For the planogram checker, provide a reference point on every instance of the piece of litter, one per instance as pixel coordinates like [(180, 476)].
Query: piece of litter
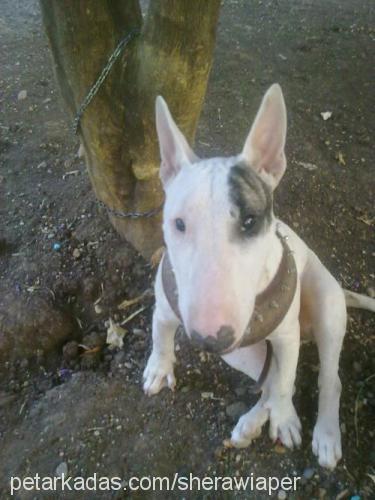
[(81, 151), (326, 115), (129, 318), (207, 395), (72, 172), (130, 302), (98, 309), (115, 335), (61, 469), (22, 95), (56, 246), (340, 158), (307, 165), (284, 58)]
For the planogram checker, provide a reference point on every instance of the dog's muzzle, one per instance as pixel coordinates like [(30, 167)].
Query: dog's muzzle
[(219, 344)]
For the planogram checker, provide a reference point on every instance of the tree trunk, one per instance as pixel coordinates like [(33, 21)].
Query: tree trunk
[(171, 57)]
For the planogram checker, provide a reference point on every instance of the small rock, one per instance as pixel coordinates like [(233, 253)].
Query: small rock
[(279, 448), (94, 339), (235, 410), (76, 253), (22, 95), (90, 361), (90, 288), (70, 350), (281, 495), (61, 469), (119, 357), (371, 292), (308, 473)]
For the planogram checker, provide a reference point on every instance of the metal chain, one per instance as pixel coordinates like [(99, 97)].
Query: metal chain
[(103, 75), (130, 215), (89, 97)]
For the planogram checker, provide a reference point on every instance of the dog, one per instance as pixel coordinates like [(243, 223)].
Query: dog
[(228, 257)]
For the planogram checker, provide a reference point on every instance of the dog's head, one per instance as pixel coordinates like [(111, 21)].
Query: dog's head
[(218, 222)]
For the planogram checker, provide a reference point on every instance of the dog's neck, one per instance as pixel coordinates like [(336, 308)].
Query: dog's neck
[(272, 263)]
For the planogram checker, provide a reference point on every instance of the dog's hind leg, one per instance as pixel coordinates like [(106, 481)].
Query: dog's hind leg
[(325, 301)]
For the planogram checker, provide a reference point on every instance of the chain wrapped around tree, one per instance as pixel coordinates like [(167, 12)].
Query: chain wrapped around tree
[(110, 65)]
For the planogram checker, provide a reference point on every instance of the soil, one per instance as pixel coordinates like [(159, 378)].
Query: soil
[(67, 400)]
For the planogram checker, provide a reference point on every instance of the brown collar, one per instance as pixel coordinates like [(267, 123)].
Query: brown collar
[(270, 308)]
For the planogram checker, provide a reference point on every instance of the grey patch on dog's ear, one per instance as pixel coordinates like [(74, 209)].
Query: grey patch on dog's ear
[(174, 148), (252, 197)]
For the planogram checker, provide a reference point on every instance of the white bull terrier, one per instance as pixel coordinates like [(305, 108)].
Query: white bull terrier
[(227, 254)]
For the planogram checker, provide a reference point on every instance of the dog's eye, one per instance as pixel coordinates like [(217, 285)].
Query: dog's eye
[(180, 225), (248, 224)]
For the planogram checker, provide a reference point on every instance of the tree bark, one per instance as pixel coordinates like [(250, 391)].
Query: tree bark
[(172, 57)]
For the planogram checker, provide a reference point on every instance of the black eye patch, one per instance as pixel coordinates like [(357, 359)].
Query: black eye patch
[(252, 199)]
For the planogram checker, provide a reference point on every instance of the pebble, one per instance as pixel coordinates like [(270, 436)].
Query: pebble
[(22, 95), (61, 469), (281, 495), (70, 350), (76, 253), (235, 410), (308, 473)]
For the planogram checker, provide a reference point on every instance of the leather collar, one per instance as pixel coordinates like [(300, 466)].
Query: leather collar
[(271, 305)]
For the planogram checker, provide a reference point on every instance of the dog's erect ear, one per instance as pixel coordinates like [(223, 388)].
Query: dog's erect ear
[(174, 149), (264, 146)]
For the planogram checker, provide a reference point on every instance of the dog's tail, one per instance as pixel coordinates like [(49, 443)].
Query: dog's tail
[(359, 301)]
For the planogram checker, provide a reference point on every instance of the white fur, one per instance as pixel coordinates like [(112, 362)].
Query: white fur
[(218, 280)]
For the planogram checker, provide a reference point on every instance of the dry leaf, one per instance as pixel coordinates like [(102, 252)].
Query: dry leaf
[(115, 335), (306, 165), (326, 115), (340, 158), (156, 257)]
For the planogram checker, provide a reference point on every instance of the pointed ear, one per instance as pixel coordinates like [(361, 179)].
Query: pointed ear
[(264, 146), (174, 149)]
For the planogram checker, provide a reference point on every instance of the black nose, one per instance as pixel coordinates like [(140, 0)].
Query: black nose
[(224, 339)]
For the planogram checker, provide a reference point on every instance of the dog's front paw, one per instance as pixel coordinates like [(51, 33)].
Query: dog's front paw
[(158, 373), (326, 444), (249, 426), (285, 424)]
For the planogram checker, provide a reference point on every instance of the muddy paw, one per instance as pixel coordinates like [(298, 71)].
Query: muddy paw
[(326, 444), (285, 425), (158, 373), (249, 426)]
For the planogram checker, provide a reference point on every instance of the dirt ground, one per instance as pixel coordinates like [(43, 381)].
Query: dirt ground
[(82, 408)]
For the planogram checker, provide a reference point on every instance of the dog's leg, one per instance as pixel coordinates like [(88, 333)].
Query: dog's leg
[(159, 371), (249, 360), (279, 388), (326, 302)]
